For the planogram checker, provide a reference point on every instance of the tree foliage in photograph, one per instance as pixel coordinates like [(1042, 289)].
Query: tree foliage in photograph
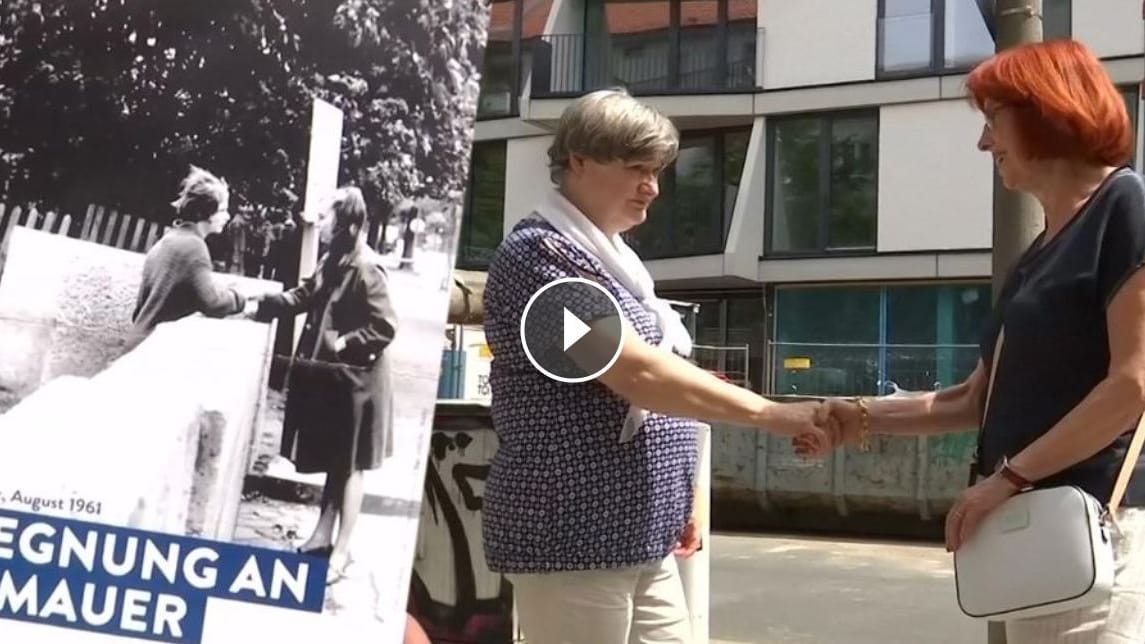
[(108, 101)]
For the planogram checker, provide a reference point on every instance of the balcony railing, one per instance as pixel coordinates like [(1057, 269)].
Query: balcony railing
[(571, 64)]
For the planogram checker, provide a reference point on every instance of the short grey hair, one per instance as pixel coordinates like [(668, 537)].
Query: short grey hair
[(200, 195), (611, 125)]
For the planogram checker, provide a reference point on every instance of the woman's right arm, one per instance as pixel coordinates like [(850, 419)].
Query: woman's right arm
[(292, 302), (190, 259), (953, 409), (661, 381), (648, 377)]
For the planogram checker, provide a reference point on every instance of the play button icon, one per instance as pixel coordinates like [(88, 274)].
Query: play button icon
[(574, 329), (571, 330)]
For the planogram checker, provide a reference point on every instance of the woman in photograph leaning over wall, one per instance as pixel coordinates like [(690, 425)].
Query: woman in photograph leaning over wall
[(177, 272)]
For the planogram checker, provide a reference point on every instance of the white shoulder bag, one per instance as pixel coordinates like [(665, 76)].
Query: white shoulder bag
[(1043, 551)]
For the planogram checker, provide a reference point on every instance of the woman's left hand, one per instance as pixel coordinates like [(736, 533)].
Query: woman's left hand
[(974, 505), (690, 539)]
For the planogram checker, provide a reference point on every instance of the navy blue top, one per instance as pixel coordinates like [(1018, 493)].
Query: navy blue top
[(563, 493), (1057, 345)]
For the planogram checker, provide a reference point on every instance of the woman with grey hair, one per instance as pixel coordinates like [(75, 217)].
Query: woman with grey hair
[(590, 495), (177, 272), (340, 399)]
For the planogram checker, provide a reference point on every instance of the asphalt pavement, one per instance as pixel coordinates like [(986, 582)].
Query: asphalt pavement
[(769, 589)]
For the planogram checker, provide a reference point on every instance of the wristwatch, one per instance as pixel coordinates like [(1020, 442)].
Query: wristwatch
[(1017, 480)]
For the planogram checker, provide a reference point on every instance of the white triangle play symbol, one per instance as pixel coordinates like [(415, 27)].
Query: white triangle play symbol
[(574, 329)]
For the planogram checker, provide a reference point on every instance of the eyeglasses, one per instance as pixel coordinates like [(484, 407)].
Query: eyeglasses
[(992, 113)]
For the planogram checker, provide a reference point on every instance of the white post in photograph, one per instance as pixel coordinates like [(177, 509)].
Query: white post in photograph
[(321, 182), (695, 571)]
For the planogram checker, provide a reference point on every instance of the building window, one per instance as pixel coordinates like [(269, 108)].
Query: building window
[(858, 340), (653, 47), (1132, 96), (729, 336), (498, 70), (697, 194), (514, 28), (1057, 19), (932, 36), (823, 191), (484, 217)]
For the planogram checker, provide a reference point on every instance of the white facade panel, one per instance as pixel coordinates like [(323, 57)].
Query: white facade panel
[(935, 186), (913, 266), (684, 268), (965, 265), (1124, 71), (812, 42), (1109, 27), (835, 97), (841, 269), (507, 128), (526, 176), (745, 234), (565, 17)]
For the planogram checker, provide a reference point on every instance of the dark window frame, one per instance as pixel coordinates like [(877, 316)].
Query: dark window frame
[(721, 300), (719, 137), (822, 250), (773, 314), (515, 84), (937, 66), (1134, 91), (465, 228)]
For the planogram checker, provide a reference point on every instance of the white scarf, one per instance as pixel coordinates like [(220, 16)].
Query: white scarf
[(625, 266)]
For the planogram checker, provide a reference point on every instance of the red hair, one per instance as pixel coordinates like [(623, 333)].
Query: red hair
[(1070, 107)]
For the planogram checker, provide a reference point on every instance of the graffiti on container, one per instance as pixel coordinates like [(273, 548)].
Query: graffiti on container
[(473, 616), (953, 447)]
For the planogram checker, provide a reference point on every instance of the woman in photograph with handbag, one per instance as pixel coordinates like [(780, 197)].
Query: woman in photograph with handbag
[(339, 397), (1058, 402)]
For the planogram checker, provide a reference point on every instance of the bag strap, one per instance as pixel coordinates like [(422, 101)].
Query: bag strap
[(973, 474), (1131, 454), (1126, 473), (993, 372)]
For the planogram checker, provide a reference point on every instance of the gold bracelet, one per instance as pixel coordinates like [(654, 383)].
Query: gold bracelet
[(864, 424)]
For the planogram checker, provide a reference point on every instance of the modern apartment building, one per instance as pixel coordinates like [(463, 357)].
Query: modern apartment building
[(829, 209)]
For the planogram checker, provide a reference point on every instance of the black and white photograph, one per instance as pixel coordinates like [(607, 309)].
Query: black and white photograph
[(227, 243)]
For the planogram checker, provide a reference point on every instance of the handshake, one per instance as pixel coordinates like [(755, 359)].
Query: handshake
[(251, 301), (817, 427)]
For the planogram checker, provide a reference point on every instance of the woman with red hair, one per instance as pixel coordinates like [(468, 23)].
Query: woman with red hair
[(1069, 381)]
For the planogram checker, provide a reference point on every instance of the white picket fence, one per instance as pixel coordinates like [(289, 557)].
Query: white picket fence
[(99, 225)]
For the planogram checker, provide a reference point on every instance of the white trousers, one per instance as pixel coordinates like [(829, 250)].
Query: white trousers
[(643, 605), (1121, 620)]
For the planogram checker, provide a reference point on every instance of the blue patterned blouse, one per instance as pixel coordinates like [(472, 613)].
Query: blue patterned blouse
[(563, 493)]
